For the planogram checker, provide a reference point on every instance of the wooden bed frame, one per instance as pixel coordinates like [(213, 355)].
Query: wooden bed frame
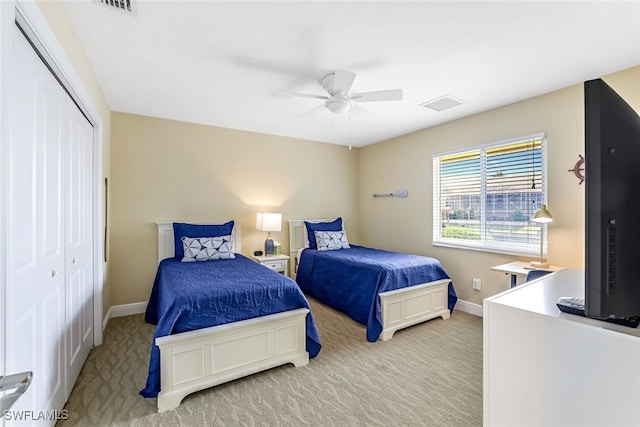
[(196, 360), (400, 308)]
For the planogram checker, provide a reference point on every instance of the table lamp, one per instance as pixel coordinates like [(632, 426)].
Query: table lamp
[(542, 216), (269, 222)]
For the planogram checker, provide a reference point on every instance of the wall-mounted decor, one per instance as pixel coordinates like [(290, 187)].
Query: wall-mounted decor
[(578, 169), (398, 193)]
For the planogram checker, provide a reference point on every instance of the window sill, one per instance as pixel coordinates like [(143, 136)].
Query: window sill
[(488, 249)]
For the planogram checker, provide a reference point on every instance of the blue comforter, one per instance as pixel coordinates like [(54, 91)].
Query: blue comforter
[(188, 296), (351, 279)]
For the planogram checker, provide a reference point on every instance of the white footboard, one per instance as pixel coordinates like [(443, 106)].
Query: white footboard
[(195, 360), (407, 306)]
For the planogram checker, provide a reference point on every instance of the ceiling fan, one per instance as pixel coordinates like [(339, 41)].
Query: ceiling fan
[(338, 85)]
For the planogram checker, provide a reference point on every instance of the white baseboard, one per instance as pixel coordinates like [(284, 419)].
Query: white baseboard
[(141, 307), (124, 310), (469, 307)]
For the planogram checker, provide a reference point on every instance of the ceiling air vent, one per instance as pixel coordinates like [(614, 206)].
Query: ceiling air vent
[(125, 6), (443, 103)]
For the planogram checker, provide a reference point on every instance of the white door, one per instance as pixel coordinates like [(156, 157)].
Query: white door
[(50, 241), (35, 322), (79, 240)]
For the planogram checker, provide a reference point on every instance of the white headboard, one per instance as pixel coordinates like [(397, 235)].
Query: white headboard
[(298, 238), (166, 248)]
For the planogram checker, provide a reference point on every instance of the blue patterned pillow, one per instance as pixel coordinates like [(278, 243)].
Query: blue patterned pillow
[(331, 240), (181, 229), (207, 248), (312, 227)]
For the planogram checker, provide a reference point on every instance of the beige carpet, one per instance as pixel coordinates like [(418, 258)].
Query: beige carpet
[(426, 375)]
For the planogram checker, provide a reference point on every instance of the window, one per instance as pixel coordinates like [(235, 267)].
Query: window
[(484, 198)]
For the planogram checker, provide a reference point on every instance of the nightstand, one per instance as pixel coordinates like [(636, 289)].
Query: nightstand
[(279, 263)]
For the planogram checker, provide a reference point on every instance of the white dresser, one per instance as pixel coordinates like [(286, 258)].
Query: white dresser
[(543, 367)]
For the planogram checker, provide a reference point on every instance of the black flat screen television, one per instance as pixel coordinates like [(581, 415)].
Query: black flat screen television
[(612, 180)]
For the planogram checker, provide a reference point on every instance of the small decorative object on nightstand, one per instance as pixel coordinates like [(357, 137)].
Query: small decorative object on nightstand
[(279, 263)]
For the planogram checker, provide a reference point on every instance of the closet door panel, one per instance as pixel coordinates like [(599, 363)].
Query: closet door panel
[(35, 256), (23, 180), (22, 334), (79, 239), (52, 347)]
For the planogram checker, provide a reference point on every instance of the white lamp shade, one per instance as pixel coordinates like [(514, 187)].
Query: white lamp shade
[(269, 221)]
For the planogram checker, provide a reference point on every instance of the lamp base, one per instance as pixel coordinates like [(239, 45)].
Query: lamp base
[(268, 247), (539, 264)]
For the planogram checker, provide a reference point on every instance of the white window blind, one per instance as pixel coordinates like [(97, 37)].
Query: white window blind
[(484, 198)]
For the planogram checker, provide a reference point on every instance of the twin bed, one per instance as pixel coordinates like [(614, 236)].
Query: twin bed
[(226, 318), (220, 320), (386, 291)]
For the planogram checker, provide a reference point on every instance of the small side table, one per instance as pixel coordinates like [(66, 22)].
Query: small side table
[(521, 268), (279, 263)]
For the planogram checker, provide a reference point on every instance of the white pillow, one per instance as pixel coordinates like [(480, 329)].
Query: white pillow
[(207, 248), (331, 240)]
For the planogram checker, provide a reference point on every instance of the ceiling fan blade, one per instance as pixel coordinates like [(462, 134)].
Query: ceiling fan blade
[(343, 80), (379, 95), (305, 95), (311, 111)]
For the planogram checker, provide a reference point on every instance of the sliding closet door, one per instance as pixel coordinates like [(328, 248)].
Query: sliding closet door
[(79, 240), (35, 334)]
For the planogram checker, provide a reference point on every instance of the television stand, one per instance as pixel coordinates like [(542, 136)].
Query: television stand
[(631, 322), (543, 367)]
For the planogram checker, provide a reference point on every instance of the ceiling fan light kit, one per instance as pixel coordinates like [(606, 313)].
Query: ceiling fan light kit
[(338, 104)]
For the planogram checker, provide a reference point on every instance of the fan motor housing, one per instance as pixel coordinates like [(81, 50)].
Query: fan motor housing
[(327, 83)]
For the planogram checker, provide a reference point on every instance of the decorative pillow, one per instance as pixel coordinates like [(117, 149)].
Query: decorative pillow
[(181, 229), (312, 227), (331, 240), (207, 248)]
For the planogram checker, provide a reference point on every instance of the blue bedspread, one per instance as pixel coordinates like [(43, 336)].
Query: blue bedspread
[(189, 296), (351, 279)]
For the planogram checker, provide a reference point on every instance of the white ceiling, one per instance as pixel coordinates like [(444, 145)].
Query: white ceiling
[(230, 63)]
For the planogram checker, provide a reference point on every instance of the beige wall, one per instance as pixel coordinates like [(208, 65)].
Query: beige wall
[(165, 170), (406, 162), (56, 15)]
